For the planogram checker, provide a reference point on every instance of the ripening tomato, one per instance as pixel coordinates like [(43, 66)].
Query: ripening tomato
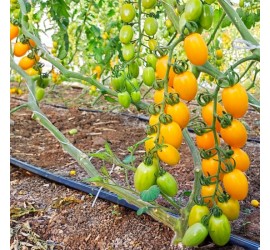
[(219, 229), (206, 140), (219, 54), (161, 68), (241, 158), (235, 135), (152, 43), (209, 190), (236, 184), (32, 72), (185, 84), (169, 154), (207, 114), (230, 208), (210, 167), (127, 12), (126, 34), (20, 49), (32, 43), (235, 100), (150, 26), (145, 176), (196, 49), (196, 214), (171, 133), (150, 143), (159, 94), (179, 113), (167, 184), (14, 31)]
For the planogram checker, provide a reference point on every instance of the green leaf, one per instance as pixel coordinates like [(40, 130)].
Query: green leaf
[(217, 15), (110, 99), (104, 171), (111, 13), (129, 158), (62, 53), (142, 210), (151, 194), (187, 193), (94, 179)]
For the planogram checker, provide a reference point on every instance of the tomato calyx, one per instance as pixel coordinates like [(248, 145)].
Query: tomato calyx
[(165, 118), (207, 154), (153, 109), (216, 211), (172, 98), (223, 198), (158, 84), (225, 120), (160, 52), (148, 159), (180, 67), (231, 78), (204, 98), (189, 28)]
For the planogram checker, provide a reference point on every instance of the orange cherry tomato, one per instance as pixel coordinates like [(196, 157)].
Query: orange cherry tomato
[(159, 94), (32, 42), (206, 140), (209, 190), (169, 154), (210, 167), (171, 133), (161, 68), (242, 161), (207, 114), (185, 84), (14, 31), (154, 119), (235, 100), (196, 49), (26, 62), (150, 143), (235, 135), (179, 113), (236, 184), (20, 49)]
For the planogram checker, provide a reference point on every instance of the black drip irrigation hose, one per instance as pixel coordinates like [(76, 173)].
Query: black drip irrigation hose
[(140, 117), (234, 239)]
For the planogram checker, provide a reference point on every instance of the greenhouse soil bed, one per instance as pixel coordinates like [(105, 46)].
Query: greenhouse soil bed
[(107, 225)]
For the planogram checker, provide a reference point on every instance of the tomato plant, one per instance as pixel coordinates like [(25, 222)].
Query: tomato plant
[(154, 57)]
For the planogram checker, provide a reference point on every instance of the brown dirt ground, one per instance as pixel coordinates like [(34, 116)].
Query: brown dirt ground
[(52, 215)]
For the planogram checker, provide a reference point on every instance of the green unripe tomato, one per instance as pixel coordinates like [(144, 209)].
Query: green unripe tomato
[(124, 99), (118, 83), (126, 34), (206, 18), (151, 60), (193, 10), (40, 92), (149, 76), (135, 96), (127, 12), (209, 1), (167, 184), (145, 176), (148, 4), (133, 69), (219, 229), (195, 235), (150, 26), (128, 51)]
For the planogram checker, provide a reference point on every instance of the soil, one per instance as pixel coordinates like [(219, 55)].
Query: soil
[(46, 215)]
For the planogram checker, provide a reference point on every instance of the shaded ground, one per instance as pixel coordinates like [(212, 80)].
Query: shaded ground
[(66, 217)]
